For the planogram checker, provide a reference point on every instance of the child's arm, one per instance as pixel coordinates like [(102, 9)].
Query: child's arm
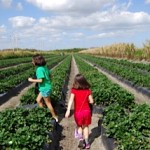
[(69, 105), (35, 80), (91, 101)]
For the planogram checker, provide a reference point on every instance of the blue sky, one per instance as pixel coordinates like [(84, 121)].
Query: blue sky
[(61, 24)]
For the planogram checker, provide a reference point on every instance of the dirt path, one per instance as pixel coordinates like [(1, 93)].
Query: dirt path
[(15, 100), (69, 142)]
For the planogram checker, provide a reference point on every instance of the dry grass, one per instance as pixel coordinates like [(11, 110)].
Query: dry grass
[(121, 50), (20, 53)]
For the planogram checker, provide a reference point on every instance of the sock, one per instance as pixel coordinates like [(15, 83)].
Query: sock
[(86, 141), (80, 136)]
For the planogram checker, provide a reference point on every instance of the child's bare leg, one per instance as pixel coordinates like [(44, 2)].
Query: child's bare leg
[(86, 137), (79, 130), (49, 105), (86, 132), (80, 136), (39, 100)]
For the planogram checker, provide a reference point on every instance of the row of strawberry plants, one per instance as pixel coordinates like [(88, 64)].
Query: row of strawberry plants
[(29, 128), (5, 73), (14, 80), (137, 78), (11, 62), (131, 130), (14, 70), (125, 121), (105, 92), (57, 83), (127, 63), (24, 129), (16, 61)]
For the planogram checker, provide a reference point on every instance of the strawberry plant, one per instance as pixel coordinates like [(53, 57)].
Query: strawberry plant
[(24, 128)]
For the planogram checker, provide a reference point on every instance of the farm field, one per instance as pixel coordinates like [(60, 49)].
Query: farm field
[(125, 109), (105, 40)]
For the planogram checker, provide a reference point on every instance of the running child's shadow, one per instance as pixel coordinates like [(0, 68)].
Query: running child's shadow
[(95, 132)]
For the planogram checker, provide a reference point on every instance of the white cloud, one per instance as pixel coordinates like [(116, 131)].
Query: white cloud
[(6, 3), (101, 35), (112, 23), (119, 33), (43, 20), (106, 23), (147, 1), (19, 6), (123, 6), (94, 20), (49, 5), (76, 6), (128, 19), (78, 34), (2, 29), (21, 21), (98, 21)]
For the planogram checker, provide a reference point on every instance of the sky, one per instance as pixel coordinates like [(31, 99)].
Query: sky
[(65, 24)]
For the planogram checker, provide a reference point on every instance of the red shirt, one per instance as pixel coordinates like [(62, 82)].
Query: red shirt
[(81, 101)]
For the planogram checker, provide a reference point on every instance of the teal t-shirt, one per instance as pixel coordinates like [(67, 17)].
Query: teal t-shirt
[(43, 72)]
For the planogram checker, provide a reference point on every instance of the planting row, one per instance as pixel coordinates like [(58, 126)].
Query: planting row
[(21, 76), (133, 75), (60, 75), (15, 61), (25, 129), (126, 63), (124, 121), (7, 72)]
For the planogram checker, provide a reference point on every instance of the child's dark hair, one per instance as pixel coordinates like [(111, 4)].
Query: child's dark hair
[(80, 82), (39, 60)]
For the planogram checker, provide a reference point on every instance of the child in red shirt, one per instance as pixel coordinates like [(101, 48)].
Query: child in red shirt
[(81, 95)]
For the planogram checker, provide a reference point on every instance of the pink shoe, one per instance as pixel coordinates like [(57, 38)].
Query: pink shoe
[(87, 146)]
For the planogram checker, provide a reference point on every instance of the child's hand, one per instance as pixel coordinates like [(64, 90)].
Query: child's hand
[(67, 114), (30, 79)]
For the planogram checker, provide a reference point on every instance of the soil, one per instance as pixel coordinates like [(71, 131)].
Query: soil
[(14, 101), (140, 98), (68, 142)]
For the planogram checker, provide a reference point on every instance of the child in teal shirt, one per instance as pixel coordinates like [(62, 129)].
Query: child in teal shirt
[(43, 75)]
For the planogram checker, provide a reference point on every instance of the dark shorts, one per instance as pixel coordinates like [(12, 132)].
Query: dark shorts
[(83, 118)]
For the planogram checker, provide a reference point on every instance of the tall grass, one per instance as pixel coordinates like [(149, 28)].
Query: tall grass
[(9, 53), (146, 50), (122, 50)]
